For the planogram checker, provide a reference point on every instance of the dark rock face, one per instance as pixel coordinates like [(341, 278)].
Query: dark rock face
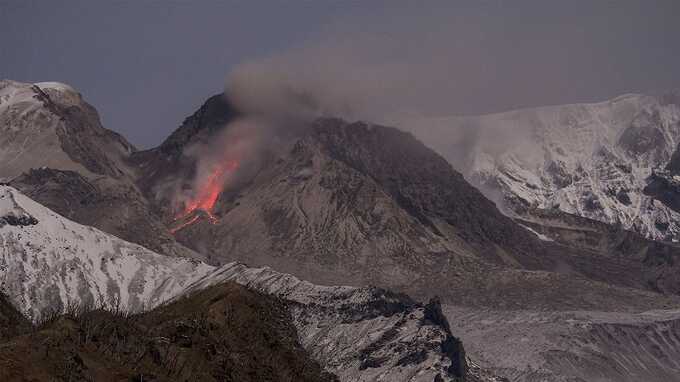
[(61, 191), (662, 186), (18, 220), (452, 346), (559, 175), (622, 196), (225, 333)]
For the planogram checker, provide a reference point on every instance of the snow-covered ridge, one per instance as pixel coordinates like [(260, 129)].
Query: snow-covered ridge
[(48, 262), (55, 263), (592, 160)]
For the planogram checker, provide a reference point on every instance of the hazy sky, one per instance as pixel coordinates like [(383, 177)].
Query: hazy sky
[(146, 65)]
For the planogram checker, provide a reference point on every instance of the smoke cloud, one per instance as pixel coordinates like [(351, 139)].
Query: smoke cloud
[(349, 72), (397, 68)]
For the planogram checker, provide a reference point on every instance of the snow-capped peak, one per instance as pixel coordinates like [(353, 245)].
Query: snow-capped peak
[(592, 160)]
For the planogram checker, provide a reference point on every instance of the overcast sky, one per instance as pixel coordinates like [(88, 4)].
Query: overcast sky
[(146, 65)]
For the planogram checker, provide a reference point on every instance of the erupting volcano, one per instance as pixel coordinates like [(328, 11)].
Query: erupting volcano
[(205, 196)]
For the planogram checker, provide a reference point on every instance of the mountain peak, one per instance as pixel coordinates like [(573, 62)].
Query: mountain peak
[(211, 117)]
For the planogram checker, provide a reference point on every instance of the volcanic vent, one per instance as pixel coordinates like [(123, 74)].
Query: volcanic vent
[(205, 195)]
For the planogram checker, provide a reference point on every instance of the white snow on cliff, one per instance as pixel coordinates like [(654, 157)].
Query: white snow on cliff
[(591, 160), (51, 262)]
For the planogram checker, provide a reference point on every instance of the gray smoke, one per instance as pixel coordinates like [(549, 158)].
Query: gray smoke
[(394, 68), (413, 62)]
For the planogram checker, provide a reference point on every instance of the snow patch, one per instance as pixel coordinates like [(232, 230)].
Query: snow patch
[(539, 235)]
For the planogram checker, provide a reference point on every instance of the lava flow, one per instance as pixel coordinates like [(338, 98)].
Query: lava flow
[(185, 224), (206, 196)]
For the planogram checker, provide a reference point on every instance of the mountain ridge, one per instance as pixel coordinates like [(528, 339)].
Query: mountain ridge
[(593, 160), (48, 264)]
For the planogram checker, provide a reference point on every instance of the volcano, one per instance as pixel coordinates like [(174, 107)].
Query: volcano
[(356, 203)]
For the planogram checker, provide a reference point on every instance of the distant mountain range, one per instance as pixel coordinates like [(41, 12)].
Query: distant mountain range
[(355, 203)]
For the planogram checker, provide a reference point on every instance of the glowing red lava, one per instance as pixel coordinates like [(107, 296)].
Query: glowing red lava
[(185, 224), (206, 195)]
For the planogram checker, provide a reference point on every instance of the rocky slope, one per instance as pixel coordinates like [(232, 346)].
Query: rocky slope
[(48, 264), (54, 148), (591, 160)]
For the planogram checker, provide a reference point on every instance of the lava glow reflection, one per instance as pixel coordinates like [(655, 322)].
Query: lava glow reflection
[(206, 193)]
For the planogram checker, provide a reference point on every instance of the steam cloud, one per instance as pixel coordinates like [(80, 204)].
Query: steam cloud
[(395, 68)]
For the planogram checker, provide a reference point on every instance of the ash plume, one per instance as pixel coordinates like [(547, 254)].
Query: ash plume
[(391, 68), (406, 66)]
